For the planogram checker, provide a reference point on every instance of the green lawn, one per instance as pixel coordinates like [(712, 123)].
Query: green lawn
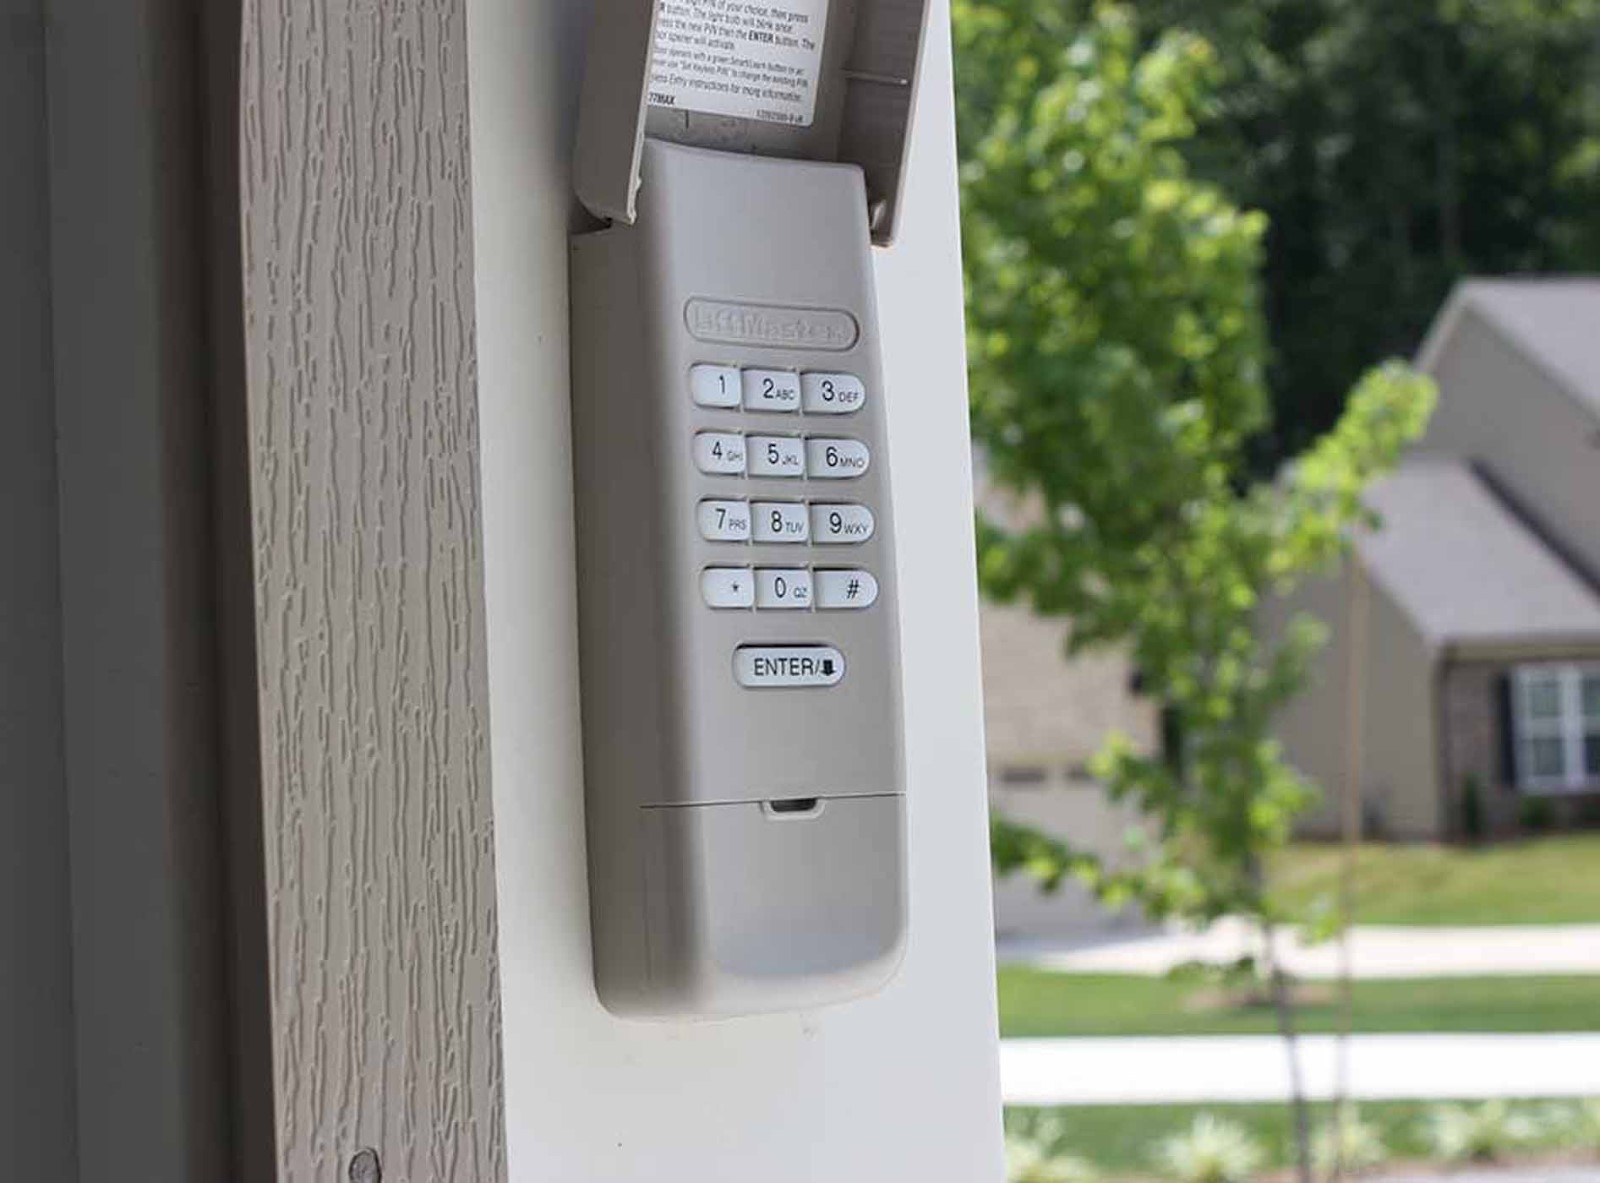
[(1120, 1139), (1552, 880), (1039, 1002)]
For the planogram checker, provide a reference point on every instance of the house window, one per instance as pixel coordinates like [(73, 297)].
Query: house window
[(1557, 727), (1018, 776)]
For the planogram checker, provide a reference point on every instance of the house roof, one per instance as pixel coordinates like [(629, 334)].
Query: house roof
[(1555, 321), (1465, 569)]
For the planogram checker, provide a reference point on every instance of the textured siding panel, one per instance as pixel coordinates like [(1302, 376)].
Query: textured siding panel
[(379, 858)]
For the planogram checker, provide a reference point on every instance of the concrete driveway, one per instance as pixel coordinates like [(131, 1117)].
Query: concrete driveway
[(1551, 1174), (1152, 1070), (1376, 952)]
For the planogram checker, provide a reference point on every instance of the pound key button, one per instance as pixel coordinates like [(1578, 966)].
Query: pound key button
[(767, 666)]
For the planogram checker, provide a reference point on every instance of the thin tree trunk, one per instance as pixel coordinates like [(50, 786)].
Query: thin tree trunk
[(1284, 1005), (1355, 705)]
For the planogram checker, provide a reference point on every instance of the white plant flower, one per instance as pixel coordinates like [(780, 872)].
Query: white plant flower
[(1029, 1162), (1479, 1133), (1212, 1150), (1346, 1139)]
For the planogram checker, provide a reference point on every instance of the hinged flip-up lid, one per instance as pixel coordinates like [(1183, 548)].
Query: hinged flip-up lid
[(808, 79)]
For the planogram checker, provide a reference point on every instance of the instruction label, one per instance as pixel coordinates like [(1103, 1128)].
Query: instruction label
[(747, 58)]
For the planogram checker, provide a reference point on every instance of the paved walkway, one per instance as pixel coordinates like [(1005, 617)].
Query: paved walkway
[(1224, 1068), (1550, 1174), (1376, 952)]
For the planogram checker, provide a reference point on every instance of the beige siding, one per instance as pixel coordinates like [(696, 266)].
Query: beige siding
[(1496, 406), (1048, 713), (1400, 789), (1401, 768), (1078, 811), (1313, 726), (363, 418), (1043, 709)]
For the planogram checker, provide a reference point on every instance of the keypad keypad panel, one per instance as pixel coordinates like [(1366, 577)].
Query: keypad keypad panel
[(766, 437)]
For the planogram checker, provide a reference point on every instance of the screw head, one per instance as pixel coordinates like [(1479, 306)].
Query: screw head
[(365, 1168)]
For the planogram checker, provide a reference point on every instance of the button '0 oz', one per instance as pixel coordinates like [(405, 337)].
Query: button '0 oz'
[(783, 587)]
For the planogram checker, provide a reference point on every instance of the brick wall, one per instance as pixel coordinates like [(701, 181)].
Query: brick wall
[(1471, 738), (1470, 734)]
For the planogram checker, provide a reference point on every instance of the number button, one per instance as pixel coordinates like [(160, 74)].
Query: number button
[(833, 459), (778, 587), (771, 390), (846, 589), (777, 455), (719, 453), (832, 394), (778, 521), (841, 523), (725, 521), (727, 587), (714, 386)]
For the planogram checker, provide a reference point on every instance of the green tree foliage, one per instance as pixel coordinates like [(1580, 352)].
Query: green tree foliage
[(1116, 344), (1117, 349), (1396, 147)]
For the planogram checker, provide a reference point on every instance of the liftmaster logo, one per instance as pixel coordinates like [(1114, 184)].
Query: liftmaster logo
[(765, 324)]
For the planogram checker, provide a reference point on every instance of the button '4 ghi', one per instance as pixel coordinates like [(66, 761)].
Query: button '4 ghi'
[(719, 453)]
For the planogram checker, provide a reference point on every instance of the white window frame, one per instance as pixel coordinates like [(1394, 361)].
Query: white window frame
[(1571, 726)]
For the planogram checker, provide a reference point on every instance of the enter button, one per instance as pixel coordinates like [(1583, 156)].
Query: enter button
[(765, 666)]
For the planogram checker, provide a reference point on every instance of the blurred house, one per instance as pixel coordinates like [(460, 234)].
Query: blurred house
[(1045, 717), (1480, 666)]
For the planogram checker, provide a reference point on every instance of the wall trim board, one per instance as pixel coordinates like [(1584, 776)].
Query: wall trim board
[(359, 354), (128, 360), (38, 1138), (245, 953), (903, 1085)]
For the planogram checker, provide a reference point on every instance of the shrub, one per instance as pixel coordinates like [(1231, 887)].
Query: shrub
[(1347, 1140), (1584, 1133), (1537, 814), (1472, 822), (1585, 1129), (1572, 1127), (1211, 1151), (1478, 1133), (1029, 1162)]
